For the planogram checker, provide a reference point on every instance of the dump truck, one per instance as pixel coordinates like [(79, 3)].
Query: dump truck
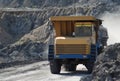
[(75, 41)]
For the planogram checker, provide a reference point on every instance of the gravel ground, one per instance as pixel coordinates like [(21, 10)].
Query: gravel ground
[(39, 71)]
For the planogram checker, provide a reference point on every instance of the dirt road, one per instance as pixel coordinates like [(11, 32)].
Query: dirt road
[(39, 72)]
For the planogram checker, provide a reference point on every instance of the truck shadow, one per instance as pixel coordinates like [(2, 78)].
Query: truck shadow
[(76, 73)]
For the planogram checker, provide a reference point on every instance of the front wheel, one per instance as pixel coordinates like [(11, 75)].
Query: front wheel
[(55, 66)]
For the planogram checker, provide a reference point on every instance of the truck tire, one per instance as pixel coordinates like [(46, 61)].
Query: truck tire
[(55, 66), (70, 67), (89, 66), (100, 50), (90, 69)]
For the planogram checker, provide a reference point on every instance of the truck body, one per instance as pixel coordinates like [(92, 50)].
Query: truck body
[(75, 42)]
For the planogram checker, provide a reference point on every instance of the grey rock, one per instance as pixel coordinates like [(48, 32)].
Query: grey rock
[(107, 64), (31, 47), (35, 3), (5, 38)]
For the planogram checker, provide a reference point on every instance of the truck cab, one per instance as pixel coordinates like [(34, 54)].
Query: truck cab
[(75, 42)]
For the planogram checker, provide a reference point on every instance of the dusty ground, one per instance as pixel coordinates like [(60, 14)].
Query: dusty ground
[(39, 72)]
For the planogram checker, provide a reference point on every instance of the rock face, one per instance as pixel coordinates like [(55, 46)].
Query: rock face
[(107, 66), (21, 23), (35, 3), (31, 47), (5, 37), (55, 3)]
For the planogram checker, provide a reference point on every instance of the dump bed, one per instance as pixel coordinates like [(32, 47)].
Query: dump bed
[(64, 25), (73, 18)]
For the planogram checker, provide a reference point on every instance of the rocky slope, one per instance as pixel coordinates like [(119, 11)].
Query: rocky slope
[(35, 3), (54, 3), (28, 27), (5, 37), (31, 47), (107, 66)]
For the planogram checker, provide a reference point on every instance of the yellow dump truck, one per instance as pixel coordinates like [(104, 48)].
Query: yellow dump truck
[(75, 42)]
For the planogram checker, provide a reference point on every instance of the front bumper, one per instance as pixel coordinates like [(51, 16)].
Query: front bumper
[(72, 56)]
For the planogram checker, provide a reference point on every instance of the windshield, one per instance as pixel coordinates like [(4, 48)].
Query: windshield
[(83, 31)]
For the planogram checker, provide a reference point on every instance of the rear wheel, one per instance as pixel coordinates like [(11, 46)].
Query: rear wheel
[(89, 66), (55, 66), (100, 50), (90, 69)]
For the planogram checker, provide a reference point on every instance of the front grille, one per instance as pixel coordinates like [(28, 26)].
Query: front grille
[(72, 49)]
